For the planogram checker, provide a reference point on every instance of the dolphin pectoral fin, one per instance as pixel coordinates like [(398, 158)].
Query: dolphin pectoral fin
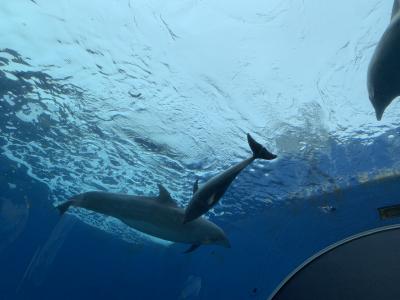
[(165, 197), (396, 8), (192, 248), (195, 186)]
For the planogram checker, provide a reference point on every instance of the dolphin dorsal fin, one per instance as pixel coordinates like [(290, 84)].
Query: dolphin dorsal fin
[(396, 8), (195, 186), (164, 196)]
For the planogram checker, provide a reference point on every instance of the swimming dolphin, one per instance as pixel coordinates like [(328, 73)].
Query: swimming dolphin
[(157, 216), (205, 197), (384, 69)]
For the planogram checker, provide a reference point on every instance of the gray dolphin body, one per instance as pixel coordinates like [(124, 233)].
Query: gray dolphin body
[(205, 197), (384, 69), (157, 216)]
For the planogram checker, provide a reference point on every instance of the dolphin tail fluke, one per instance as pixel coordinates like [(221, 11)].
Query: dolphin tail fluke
[(192, 248), (63, 207), (258, 150)]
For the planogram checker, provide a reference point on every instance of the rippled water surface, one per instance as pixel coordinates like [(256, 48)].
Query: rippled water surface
[(120, 95)]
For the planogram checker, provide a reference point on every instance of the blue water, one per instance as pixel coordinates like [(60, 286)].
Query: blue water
[(127, 94)]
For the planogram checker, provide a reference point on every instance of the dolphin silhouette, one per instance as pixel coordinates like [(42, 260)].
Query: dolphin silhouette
[(205, 197), (384, 69), (157, 216)]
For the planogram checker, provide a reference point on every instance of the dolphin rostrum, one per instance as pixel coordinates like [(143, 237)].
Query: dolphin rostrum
[(384, 69), (206, 196), (157, 216)]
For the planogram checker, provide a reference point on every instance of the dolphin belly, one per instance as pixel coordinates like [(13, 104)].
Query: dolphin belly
[(383, 78), (212, 191), (163, 232), (145, 215)]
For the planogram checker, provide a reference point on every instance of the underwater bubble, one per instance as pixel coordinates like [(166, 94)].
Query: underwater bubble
[(327, 209)]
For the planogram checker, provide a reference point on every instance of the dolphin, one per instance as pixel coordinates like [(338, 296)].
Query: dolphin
[(157, 216), (383, 79), (206, 196)]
